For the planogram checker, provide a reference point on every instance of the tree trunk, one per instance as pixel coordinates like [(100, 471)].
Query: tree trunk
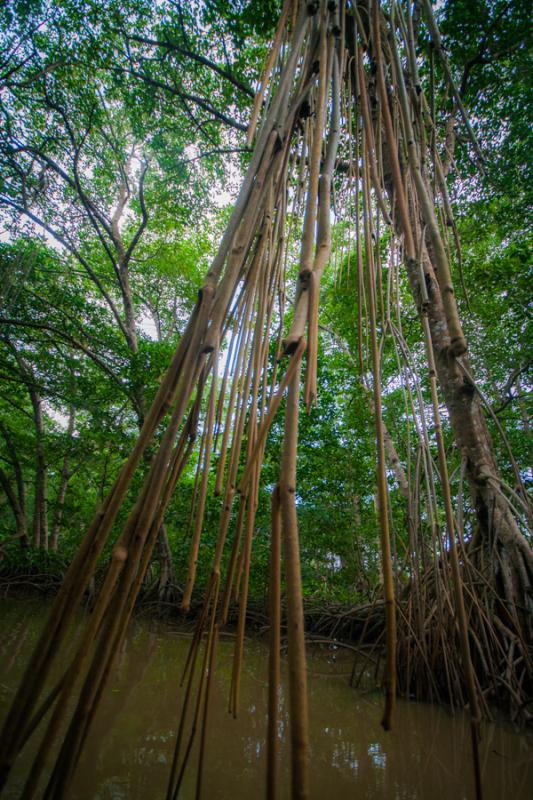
[(65, 475), (497, 561), (164, 556), (510, 559), (40, 511), (129, 309), (40, 500), (511, 563), (16, 500), (18, 510), (124, 255)]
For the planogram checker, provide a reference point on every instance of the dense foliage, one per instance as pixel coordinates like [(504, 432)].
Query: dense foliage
[(123, 138)]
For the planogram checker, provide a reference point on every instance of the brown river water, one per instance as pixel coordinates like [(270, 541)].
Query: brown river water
[(129, 750)]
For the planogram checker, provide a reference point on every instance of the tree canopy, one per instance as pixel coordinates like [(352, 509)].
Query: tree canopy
[(126, 115)]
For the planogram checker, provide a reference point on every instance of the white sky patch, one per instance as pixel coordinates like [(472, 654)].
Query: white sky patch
[(220, 195), (147, 325), (59, 417), (223, 198)]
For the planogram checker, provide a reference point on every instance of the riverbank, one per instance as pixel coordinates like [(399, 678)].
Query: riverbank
[(130, 745), (356, 629)]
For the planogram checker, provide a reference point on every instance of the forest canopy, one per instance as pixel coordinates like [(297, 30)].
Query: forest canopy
[(123, 139)]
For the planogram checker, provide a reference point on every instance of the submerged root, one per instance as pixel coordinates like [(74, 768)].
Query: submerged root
[(497, 592)]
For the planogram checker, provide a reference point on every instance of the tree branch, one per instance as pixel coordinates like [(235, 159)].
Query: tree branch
[(71, 340), (192, 98), (144, 212), (71, 249), (195, 57), (217, 151)]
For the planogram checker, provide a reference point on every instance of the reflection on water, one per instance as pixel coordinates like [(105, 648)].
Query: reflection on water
[(130, 747)]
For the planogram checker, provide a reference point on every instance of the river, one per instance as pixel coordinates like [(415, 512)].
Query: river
[(130, 746)]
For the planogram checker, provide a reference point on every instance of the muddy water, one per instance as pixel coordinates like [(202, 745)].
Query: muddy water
[(130, 746)]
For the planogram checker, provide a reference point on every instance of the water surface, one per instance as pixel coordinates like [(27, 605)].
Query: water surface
[(129, 750)]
